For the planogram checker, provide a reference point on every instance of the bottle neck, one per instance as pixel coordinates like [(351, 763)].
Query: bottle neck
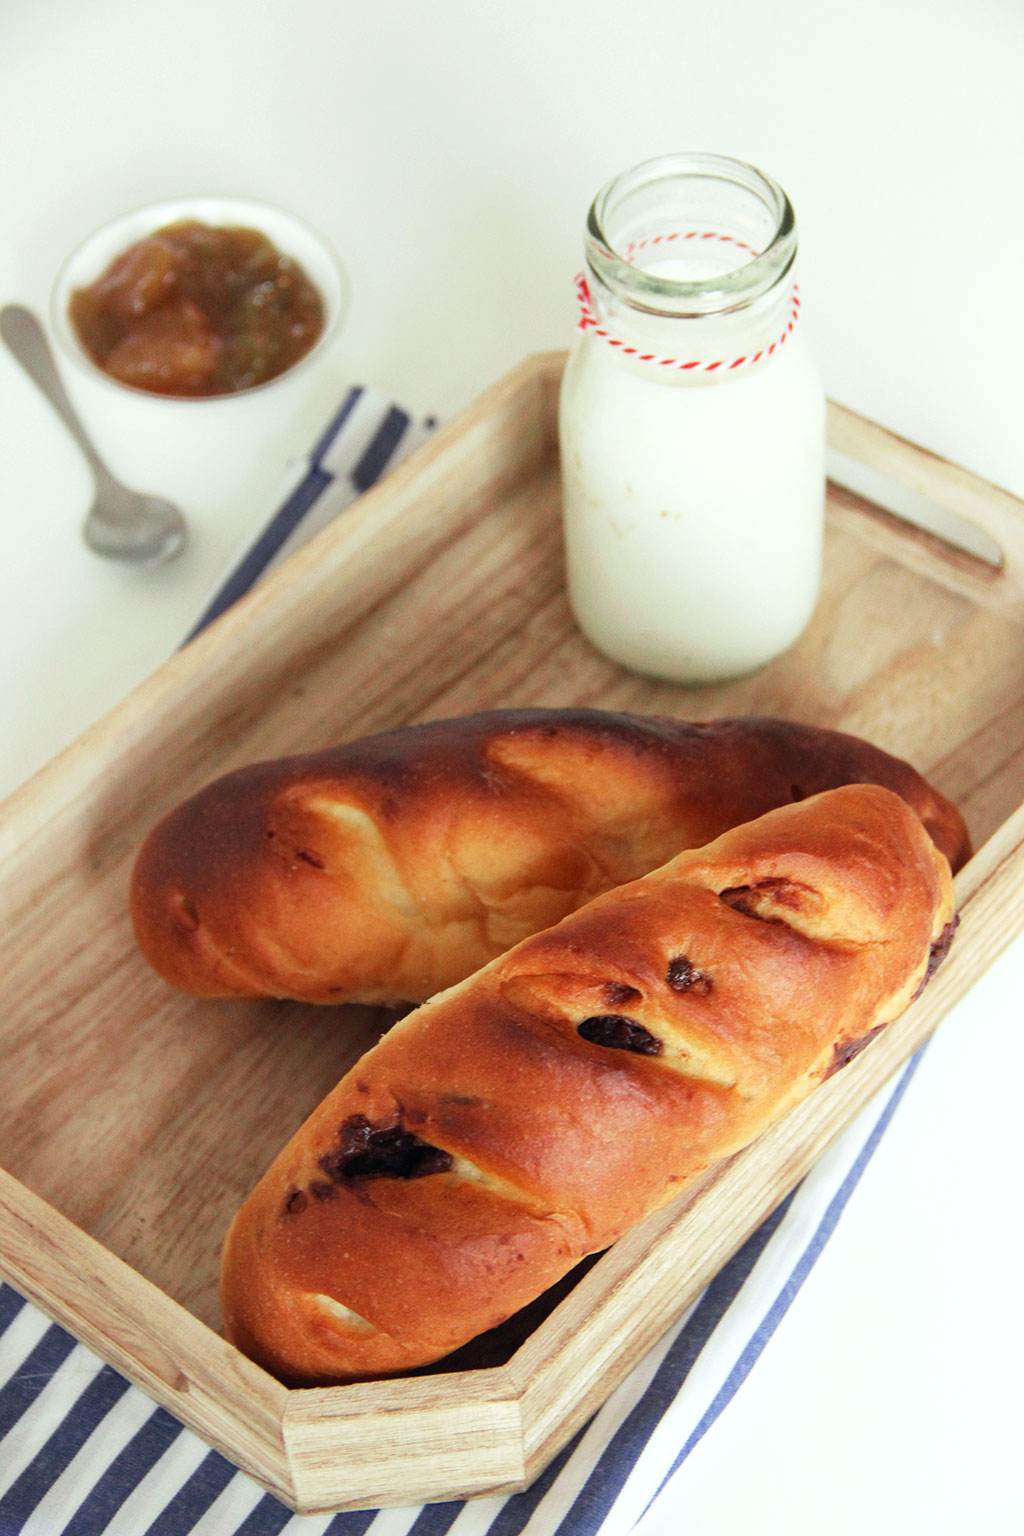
[(746, 335), (690, 259)]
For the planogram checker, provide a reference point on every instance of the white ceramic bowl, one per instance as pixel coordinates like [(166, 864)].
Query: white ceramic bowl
[(203, 451)]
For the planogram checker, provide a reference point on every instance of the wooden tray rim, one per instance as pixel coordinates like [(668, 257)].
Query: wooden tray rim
[(288, 1429)]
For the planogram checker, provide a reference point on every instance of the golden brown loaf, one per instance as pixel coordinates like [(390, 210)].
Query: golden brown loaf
[(530, 1115), (391, 867)]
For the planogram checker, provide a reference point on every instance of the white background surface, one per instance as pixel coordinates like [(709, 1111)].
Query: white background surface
[(450, 150)]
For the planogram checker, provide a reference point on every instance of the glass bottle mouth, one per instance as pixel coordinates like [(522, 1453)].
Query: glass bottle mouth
[(690, 235)]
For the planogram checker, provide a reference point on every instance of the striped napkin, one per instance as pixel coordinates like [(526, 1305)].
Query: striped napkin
[(82, 1451)]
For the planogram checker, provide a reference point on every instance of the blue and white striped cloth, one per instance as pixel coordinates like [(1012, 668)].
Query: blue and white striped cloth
[(83, 1452)]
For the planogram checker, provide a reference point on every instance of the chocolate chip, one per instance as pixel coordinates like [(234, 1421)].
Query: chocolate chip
[(309, 858), (619, 1034), (296, 1202), (937, 953), (844, 1051), (618, 992), (940, 949), (683, 976), (368, 1151)]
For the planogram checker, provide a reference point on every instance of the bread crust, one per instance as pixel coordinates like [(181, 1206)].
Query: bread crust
[(536, 1111), (389, 868)]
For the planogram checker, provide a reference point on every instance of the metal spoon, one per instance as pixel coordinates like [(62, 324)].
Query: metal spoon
[(122, 524)]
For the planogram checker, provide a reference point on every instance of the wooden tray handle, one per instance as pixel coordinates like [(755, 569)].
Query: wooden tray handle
[(947, 486)]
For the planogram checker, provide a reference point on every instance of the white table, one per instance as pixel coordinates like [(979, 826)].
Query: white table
[(450, 152)]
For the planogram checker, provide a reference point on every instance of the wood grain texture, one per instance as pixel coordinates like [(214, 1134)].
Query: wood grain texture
[(132, 1120)]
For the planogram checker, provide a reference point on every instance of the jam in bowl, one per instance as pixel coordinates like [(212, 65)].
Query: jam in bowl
[(195, 309), (198, 339)]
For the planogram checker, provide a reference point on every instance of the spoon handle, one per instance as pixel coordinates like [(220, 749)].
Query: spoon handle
[(26, 339)]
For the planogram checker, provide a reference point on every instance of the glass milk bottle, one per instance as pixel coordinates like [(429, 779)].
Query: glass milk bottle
[(692, 425)]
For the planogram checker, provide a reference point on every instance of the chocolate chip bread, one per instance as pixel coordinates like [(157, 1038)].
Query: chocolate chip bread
[(533, 1113)]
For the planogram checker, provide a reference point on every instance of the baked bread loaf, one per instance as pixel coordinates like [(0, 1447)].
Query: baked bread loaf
[(391, 867), (531, 1114)]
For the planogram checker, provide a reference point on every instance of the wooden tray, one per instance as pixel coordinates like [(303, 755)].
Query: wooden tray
[(133, 1120)]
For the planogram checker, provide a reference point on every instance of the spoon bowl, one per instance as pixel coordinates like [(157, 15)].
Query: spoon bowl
[(133, 526), (122, 524)]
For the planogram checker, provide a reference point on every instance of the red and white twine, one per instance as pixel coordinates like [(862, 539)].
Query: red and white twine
[(589, 320)]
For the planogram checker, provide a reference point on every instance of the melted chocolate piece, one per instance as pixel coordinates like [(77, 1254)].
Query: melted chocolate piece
[(368, 1151), (740, 898), (938, 952), (683, 976), (618, 992), (619, 1034), (296, 1202), (845, 1050)]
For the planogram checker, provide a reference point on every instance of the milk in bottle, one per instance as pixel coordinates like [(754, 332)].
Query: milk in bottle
[(692, 425)]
